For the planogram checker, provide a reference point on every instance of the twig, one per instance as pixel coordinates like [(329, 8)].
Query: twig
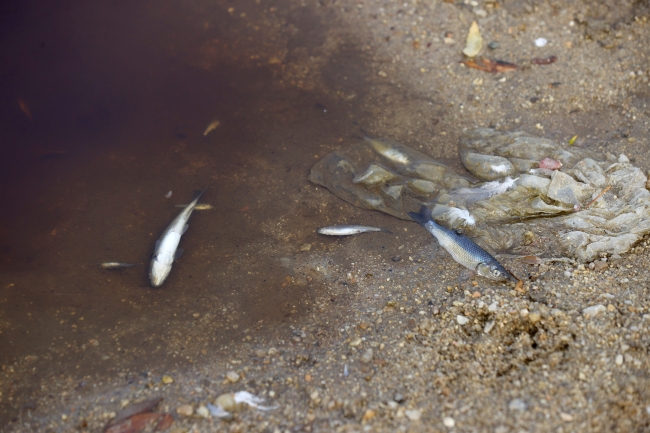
[(597, 197)]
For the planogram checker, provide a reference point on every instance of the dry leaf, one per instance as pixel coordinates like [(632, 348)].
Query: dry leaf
[(474, 41)]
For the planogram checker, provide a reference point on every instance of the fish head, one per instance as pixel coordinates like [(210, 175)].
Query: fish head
[(494, 271), (158, 272)]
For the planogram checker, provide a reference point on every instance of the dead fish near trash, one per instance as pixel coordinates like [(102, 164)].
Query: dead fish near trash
[(485, 191), (226, 404), (200, 206), (116, 265), (211, 127), (463, 249), (348, 230), (166, 250)]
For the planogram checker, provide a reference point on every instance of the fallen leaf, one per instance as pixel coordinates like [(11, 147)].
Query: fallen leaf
[(474, 41), (136, 423), (134, 409)]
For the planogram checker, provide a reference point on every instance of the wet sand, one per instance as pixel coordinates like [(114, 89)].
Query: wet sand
[(120, 95)]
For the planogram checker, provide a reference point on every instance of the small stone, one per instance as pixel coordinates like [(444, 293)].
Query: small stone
[(396, 259), (203, 412), (517, 404), (367, 356), (185, 410), (566, 417), (305, 247), (493, 307), (594, 310), (308, 377), (232, 376), (611, 308), (619, 359), (314, 395), (449, 422), (493, 45), (568, 274), (368, 415), (413, 415), (227, 402), (260, 353), (540, 42), (382, 74), (356, 341), (488, 327), (462, 320), (364, 325), (524, 312), (476, 295), (167, 380), (534, 317), (399, 398)]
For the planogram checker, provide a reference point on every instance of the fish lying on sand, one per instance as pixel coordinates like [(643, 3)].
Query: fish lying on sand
[(200, 206), (463, 249), (116, 265), (166, 250), (211, 127), (348, 230)]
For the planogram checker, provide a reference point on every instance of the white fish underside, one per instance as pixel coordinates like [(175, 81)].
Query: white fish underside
[(167, 250), (347, 230)]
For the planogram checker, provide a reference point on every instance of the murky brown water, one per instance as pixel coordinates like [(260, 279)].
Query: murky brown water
[(120, 95)]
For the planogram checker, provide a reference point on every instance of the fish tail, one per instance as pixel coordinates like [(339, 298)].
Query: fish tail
[(423, 217), (197, 194)]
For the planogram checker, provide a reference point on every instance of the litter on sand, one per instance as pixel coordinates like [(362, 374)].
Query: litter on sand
[(226, 404), (577, 203)]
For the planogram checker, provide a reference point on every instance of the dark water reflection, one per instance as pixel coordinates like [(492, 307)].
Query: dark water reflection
[(120, 94)]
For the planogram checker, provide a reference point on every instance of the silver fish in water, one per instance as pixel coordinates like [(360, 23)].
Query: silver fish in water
[(463, 249), (200, 206), (116, 265), (347, 230), (166, 250)]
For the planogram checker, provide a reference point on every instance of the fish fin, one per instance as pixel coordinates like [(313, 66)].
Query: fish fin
[(386, 231), (423, 217), (184, 229), (179, 252)]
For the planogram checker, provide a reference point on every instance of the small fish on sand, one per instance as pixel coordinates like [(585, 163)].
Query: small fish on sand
[(463, 249), (211, 127), (200, 206), (116, 265), (347, 230), (166, 250)]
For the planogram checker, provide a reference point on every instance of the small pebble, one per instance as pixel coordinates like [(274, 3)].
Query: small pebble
[(226, 402), (488, 327), (493, 45), (594, 310), (540, 42), (600, 265), (399, 398), (396, 259), (568, 274), (368, 415), (367, 356), (517, 404), (185, 410), (534, 317), (413, 415), (203, 412), (619, 359), (232, 376), (305, 247), (493, 307), (449, 422), (356, 341), (566, 417), (462, 320), (167, 380)]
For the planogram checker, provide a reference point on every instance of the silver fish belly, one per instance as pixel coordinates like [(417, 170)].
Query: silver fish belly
[(166, 250), (463, 249), (347, 230)]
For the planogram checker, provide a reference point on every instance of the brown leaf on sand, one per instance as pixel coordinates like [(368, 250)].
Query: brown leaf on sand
[(134, 409), (138, 423), (489, 65), (544, 61)]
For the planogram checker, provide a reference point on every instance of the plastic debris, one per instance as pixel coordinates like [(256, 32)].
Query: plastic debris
[(541, 197), (474, 41), (226, 404), (540, 42), (544, 61)]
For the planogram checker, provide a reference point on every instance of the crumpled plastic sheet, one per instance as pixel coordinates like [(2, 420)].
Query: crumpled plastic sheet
[(518, 206)]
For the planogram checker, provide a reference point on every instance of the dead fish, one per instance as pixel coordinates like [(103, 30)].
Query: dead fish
[(463, 249), (212, 126), (485, 191), (116, 265), (347, 230), (388, 151), (166, 250), (201, 206)]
